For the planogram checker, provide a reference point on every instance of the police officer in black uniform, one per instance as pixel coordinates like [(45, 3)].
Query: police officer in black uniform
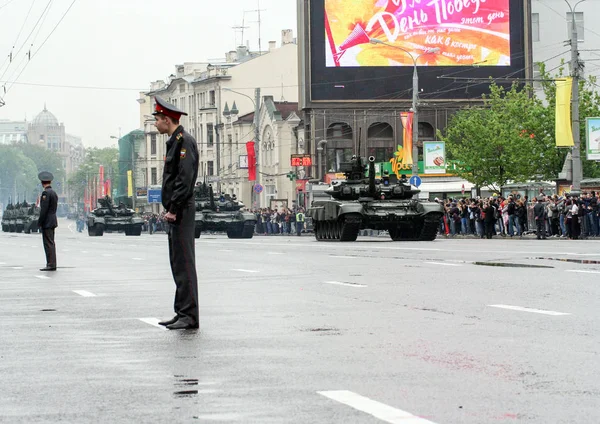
[(47, 221), (179, 177)]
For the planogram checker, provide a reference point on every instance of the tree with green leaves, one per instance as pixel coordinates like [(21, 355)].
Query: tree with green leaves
[(589, 106), (44, 159), (90, 169), (18, 176)]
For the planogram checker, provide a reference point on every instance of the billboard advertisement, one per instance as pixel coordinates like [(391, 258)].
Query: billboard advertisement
[(366, 50), (434, 156), (592, 131), (393, 33)]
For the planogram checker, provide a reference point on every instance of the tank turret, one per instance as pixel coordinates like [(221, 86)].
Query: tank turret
[(357, 186), (109, 217)]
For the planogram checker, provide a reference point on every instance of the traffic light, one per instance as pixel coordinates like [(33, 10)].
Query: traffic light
[(291, 176)]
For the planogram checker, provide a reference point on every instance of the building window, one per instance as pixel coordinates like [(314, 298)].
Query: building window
[(153, 176), (210, 168), (212, 99), (182, 88), (210, 135), (153, 144), (536, 75), (535, 27), (578, 23), (200, 134)]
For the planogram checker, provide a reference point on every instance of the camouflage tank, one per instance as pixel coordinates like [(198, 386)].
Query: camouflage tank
[(29, 215), (108, 217), (369, 203), (223, 214), (8, 222)]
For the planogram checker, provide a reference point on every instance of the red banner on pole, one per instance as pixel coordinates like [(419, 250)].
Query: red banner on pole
[(101, 169), (251, 161)]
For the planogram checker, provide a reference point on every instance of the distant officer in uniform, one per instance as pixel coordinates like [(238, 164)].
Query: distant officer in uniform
[(179, 177), (299, 222), (47, 221)]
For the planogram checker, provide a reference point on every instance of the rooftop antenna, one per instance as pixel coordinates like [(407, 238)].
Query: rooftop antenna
[(259, 26), (240, 29), (282, 98)]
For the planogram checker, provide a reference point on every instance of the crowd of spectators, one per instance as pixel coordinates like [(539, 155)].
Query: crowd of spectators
[(568, 216)]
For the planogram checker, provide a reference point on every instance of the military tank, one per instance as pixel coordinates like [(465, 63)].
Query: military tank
[(29, 215), (222, 214), (109, 217), (8, 223), (360, 203)]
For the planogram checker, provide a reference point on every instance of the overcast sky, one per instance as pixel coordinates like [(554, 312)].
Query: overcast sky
[(121, 44)]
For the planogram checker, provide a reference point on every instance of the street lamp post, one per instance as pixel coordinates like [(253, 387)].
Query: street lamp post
[(415, 98), (256, 103), (576, 150)]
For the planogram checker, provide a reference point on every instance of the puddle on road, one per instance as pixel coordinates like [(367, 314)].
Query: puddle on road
[(509, 265), (185, 393), (575, 261)]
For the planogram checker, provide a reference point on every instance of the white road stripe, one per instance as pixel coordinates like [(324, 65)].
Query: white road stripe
[(84, 293), (377, 409), (225, 250), (342, 257), (537, 311), (583, 271), (245, 270), (154, 322), (442, 263), (274, 253), (339, 283), (107, 254), (138, 259), (42, 277), (2, 263), (17, 267)]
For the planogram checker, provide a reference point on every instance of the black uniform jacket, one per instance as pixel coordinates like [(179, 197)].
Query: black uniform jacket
[(48, 204), (539, 210), (180, 171)]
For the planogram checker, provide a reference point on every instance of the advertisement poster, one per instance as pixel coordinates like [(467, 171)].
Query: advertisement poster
[(592, 130), (466, 32), (434, 155)]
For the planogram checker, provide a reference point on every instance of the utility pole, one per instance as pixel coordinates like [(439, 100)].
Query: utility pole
[(257, 138), (415, 122), (576, 150)]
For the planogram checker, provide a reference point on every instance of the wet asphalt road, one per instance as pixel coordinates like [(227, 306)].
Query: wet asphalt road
[(299, 331)]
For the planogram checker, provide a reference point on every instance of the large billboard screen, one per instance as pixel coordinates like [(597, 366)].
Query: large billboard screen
[(439, 32), (363, 50)]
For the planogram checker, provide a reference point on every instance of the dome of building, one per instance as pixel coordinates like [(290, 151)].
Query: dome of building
[(45, 119)]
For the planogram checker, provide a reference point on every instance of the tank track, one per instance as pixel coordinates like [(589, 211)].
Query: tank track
[(341, 230), (429, 230)]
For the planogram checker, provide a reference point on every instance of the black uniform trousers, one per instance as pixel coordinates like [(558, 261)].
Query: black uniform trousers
[(489, 228), (182, 255), (540, 228), (49, 247)]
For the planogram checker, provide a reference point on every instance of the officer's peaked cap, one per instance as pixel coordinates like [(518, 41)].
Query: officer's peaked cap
[(45, 176), (163, 107)]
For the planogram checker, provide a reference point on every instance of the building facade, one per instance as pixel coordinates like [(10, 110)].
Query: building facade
[(551, 26), (12, 132), (203, 90)]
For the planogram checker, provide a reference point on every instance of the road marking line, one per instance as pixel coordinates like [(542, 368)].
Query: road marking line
[(153, 322), (582, 271), (16, 267), (377, 409), (2, 263), (537, 311), (442, 263), (42, 277), (342, 257), (107, 254), (138, 259), (245, 270), (225, 250), (274, 253), (84, 293), (339, 283)]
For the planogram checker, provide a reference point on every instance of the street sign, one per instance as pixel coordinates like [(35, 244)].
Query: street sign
[(154, 196), (415, 180), (258, 189)]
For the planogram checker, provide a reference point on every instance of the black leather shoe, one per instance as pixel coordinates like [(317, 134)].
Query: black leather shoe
[(182, 325), (48, 269), (169, 322)]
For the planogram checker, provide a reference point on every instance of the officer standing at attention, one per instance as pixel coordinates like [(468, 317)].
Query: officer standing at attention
[(47, 221), (179, 177)]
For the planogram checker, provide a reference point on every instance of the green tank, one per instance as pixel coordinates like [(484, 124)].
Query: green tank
[(8, 220), (223, 214), (362, 202), (109, 217), (28, 215)]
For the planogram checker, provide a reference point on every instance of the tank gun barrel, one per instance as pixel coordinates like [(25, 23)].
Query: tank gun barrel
[(372, 176)]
